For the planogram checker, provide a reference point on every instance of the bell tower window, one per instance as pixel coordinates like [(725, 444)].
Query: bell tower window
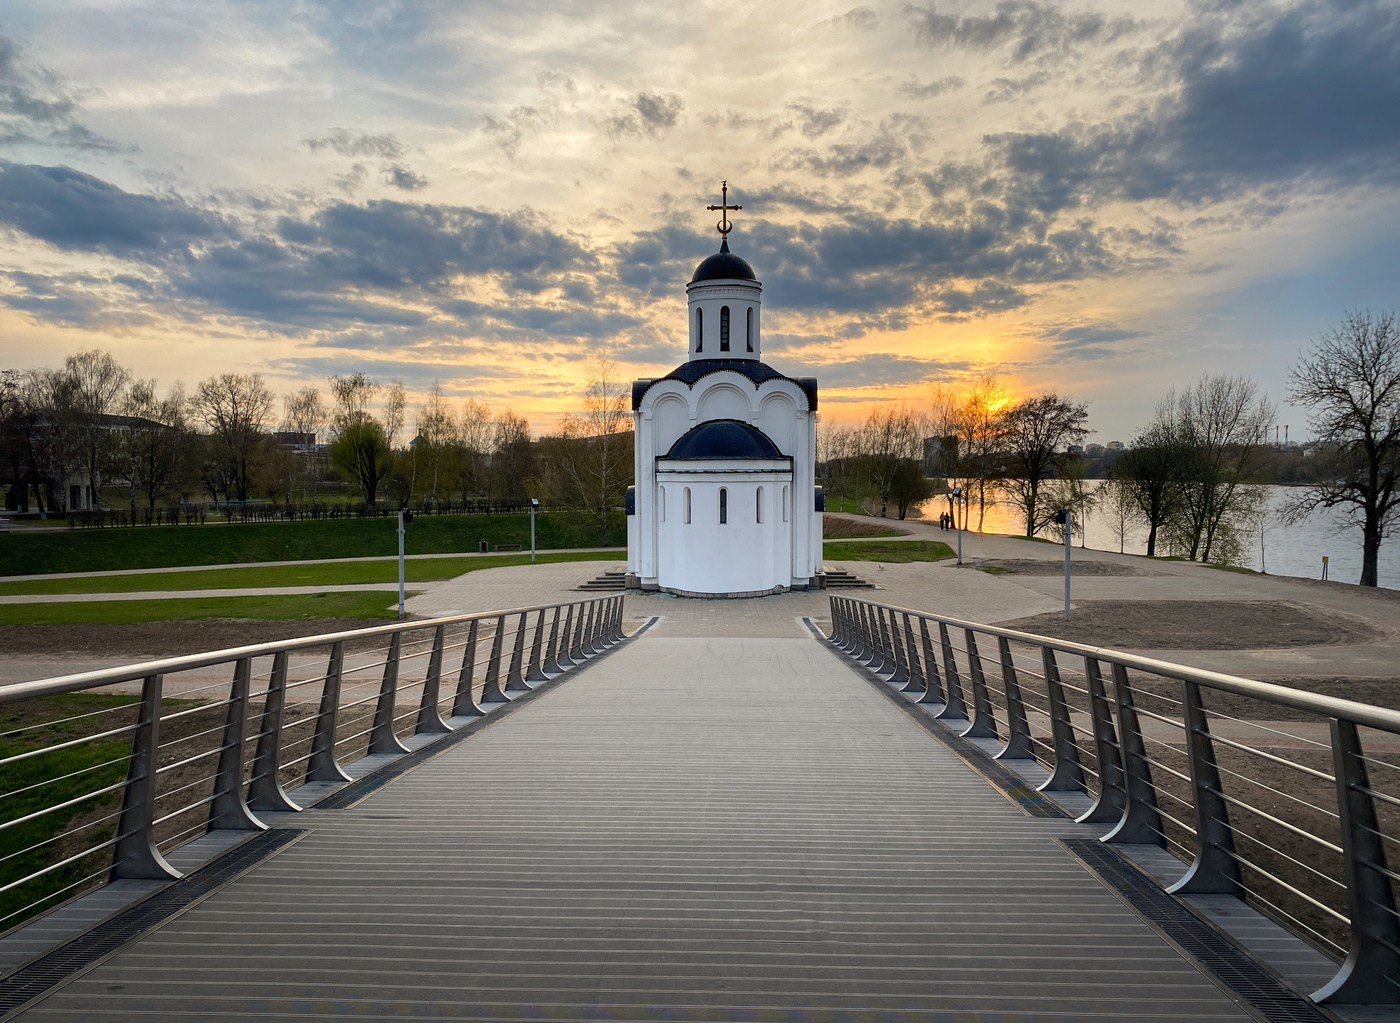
[(748, 327), (724, 329), (699, 330)]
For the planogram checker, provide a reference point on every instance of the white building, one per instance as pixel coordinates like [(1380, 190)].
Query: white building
[(725, 502)]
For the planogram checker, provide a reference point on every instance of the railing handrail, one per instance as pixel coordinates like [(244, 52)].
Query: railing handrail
[(166, 666), (1268, 692)]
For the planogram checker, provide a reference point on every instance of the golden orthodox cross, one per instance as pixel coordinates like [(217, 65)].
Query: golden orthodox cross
[(724, 225)]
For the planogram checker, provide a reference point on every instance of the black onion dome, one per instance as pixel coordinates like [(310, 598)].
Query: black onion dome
[(724, 438), (723, 265)]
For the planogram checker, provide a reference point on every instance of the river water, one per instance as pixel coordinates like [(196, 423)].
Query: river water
[(1287, 549)]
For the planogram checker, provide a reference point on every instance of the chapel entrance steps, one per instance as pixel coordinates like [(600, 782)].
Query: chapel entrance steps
[(608, 582), (840, 579)]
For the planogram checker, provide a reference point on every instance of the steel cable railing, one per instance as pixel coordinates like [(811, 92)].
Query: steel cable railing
[(102, 773), (1264, 792)]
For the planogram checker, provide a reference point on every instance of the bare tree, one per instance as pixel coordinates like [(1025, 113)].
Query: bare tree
[(1036, 429), (155, 443), (837, 450), (471, 445), (98, 382), (1151, 474), (435, 429), (592, 456), (1223, 425), (361, 448), (512, 458), (304, 414), (1350, 384), (980, 424), (235, 408), (892, 434)]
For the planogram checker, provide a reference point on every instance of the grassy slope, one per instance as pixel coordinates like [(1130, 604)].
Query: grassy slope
[(891, 553), (332, 574), (97, 550), (302, 605), (842, 529)]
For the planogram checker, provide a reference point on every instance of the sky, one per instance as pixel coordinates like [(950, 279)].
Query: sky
[(1104, 200)]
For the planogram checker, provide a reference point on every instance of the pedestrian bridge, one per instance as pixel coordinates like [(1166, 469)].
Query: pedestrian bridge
[(530, 815)]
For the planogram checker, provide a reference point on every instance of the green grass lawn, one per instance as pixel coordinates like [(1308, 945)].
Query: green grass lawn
[(890, 553), (181, 609), (98, 550), (331, 574)]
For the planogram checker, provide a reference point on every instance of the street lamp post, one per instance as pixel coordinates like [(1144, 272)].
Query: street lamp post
[(534, 507), (405, 517), (1065, 517), (957, 520)]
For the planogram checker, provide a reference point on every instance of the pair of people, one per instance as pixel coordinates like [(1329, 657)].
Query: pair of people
[(946, 521)]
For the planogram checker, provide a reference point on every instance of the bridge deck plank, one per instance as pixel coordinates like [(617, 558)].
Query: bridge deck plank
[(693, 830)]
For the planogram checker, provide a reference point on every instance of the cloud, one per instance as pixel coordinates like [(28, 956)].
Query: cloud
[(403, 178), (38, 108), (78, 212), (652, 115), (1087, 342), (348, 143), (927, 90), (816, 122), (1025, 27)]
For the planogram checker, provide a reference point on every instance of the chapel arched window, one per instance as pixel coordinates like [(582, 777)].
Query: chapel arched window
[(724, 329), (699, 330), (758, 507), (785, 499), (661, 504), (687, 506), (723, 506), (748, 327)]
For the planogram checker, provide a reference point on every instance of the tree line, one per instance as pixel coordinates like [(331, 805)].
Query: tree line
[(90, 433)]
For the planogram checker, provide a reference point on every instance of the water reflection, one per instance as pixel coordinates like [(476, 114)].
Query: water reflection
[(1285, 549)]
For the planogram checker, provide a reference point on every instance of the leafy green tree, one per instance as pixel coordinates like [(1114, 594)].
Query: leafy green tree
[(909, 487)]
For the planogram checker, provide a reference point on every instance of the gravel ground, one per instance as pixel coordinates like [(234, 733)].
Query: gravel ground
[(1199, 625)]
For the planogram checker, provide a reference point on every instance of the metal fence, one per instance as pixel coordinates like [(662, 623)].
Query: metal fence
[(1285, 798), (103, 773)]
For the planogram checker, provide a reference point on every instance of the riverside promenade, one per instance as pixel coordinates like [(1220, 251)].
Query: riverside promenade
[(718, 828)]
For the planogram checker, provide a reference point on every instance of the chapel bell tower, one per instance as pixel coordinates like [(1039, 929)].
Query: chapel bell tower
[(725, 300)]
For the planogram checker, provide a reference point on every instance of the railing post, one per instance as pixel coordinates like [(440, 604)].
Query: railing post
[(617, 617), (984, 722), (605, 623), (1142, 822), (1067, 775), (464, 704), (576, 653), (322, 765), (382, 738), (551, 650), (954, 705), (834, 636), (1018, 729), (563, 657), (535, 672), (1215, 871), (881, 635), (860, 622), (429, 718), (515, 682), (900, 676), (850, 630), (492, 692), (933, 682), (1108, 804), (229, 811), (264, 789), (916, 675), (1371, 972), (590, 629), (135, 854)]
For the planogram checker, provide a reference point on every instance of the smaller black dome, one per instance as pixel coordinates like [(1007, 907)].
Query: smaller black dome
[(723, 265), (723, 438)]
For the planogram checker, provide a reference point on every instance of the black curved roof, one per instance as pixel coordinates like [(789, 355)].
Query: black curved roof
[(723, 438), (723, 265), (690, 372)]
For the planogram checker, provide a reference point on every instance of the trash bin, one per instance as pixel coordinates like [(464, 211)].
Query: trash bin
[(485, 547)]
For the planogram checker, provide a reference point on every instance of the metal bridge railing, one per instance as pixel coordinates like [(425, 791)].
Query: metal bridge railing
[(103, 773), (1264, 792)]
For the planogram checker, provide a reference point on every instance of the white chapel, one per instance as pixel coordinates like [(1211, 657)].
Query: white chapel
[(725, 502)]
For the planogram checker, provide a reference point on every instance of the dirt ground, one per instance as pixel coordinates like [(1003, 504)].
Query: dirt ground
[(1029, 566), (1198, 625), (161, 639)]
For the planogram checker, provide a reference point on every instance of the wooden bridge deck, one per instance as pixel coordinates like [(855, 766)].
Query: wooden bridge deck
[(692, 829)]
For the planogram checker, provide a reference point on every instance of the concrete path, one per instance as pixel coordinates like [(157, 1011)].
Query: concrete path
[(692, 829)]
